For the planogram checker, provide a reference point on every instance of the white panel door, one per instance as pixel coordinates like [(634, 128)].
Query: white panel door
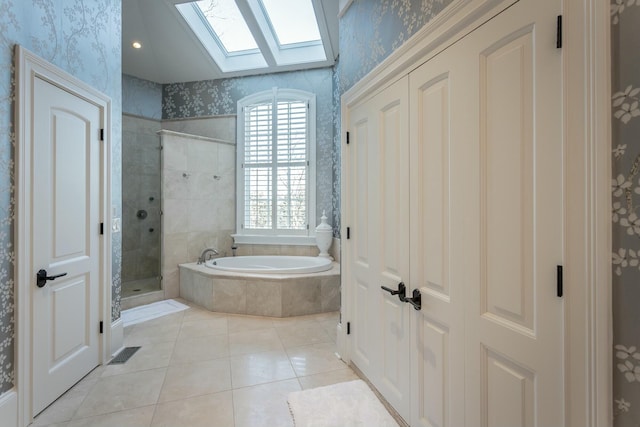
[(486, 206), (66, 219), (378, 154), (440, 113), (513, 227)]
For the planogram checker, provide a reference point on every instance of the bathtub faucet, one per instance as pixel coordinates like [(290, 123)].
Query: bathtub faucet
[(203, 255)]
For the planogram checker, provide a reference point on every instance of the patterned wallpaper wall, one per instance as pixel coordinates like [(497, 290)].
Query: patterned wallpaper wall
[(625, 31), (141, 97), (369, 32), (220, 97), (83, 38)]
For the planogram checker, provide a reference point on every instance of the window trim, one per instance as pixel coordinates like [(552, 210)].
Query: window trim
[(271, 236)]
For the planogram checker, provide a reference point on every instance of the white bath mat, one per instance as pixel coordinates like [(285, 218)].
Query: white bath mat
[(151, 311), (349, 404)]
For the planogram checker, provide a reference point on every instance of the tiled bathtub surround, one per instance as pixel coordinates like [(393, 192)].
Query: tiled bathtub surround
[(293, 250), (280, 295)]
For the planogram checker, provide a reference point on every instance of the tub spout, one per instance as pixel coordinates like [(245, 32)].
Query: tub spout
[(203, 255), (234, 248)]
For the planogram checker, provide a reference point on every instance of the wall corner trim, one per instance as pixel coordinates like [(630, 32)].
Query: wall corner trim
[(588, 281), (116, 337), (9, 409)]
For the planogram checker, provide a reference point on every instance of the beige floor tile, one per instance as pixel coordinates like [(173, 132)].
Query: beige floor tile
[(333, 316), (190, 361), (327, 378), (139, 417), (149, 356), (61, 410), (199, 313), (65, 407), (254, 342), (248, 323), (314, 359), (305, 334), (264, 405), (196, 379), (283, 322), (260, 368), (203, 328), (200, 348), (169, 319), (202, 411), (141, 335), (122, 392)]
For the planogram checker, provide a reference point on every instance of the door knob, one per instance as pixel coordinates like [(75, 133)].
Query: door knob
[(416, 300), (401, 291), (42, 277)]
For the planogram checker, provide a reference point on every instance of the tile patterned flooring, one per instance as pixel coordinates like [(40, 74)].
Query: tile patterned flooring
[(198, 368)]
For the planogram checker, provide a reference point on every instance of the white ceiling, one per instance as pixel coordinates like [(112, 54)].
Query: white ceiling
[(172, 53)]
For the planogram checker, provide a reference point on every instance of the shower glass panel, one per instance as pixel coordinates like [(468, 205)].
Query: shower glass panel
[(141, 193)]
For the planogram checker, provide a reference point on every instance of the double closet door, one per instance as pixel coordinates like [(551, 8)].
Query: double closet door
[(454, 188)]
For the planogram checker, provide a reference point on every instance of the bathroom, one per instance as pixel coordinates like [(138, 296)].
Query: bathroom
[(85, 38), (192, 179)]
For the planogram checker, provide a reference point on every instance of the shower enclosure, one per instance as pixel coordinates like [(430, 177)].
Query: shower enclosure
[(141, 197)]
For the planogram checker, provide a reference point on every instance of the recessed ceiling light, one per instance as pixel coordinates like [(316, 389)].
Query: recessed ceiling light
[(136, 45)]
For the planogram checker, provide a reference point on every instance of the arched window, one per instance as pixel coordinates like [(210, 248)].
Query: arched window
[(276, 166)]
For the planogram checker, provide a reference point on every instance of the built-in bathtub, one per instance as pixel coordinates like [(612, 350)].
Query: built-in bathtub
[(263, 285), (269, 264)]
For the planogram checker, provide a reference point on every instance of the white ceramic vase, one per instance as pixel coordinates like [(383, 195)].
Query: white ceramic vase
[(324, 237)]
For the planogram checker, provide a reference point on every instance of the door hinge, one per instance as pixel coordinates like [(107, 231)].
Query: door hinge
[(101, 327), (102, 228), (348, 328), (559, 32), (101, 134), (559, 284), (347, 138), (348, 233)]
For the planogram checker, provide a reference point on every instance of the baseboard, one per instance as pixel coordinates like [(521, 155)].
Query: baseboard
[(117, 338), (9, 409), (340, 350)]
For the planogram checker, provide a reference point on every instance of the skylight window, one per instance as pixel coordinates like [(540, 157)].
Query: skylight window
[(293, 21), (250, 36), (228, 24)]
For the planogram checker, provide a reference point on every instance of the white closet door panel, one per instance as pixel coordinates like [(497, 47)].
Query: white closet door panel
[(514, 225), (390, 110), (379, 240), (439, 115), (362, 258)]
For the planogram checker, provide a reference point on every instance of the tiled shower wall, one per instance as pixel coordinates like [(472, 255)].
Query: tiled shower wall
[(141, 235), (198, 197)]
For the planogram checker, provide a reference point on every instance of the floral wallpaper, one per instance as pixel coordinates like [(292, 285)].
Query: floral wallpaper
[(220, 97), (369, 32), (83, 38), (141, 97), (625, 31)]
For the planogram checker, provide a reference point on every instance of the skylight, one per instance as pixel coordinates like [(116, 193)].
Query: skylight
[(228, 24), (264, 35), (293, 21)]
